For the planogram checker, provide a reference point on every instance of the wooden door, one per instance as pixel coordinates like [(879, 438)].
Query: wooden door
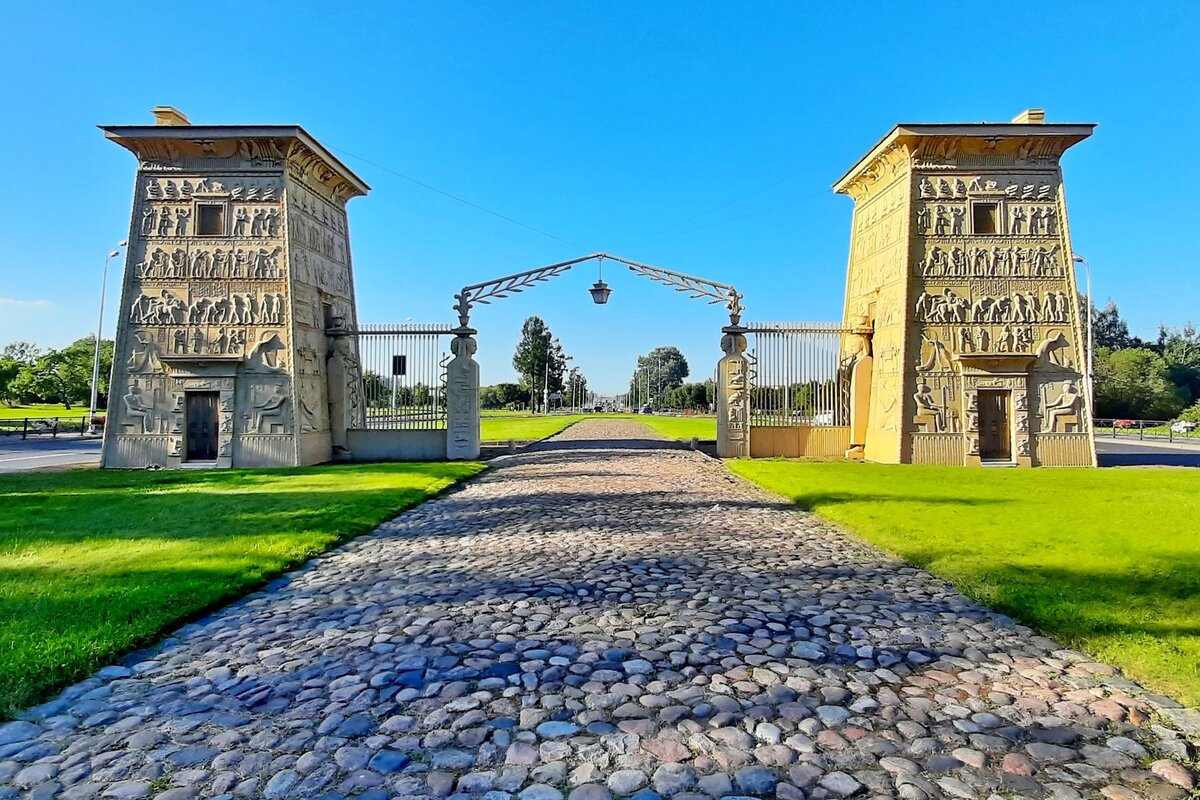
[(994, 435), (201, 415)]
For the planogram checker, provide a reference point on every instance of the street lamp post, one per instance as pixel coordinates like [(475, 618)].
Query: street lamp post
[(1078, 259), (91, 428)]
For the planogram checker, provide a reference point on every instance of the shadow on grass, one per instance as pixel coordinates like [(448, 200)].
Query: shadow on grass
[(97, 563)]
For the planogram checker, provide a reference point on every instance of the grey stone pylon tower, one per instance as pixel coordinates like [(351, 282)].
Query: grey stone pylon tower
[(237, 282)]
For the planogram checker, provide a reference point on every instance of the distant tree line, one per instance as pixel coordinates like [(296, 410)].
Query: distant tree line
[(29, 374), (1136, 379)]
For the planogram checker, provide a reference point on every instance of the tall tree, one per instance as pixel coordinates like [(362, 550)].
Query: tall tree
[(1109, 330), (63, 376), (1133, 384), (656, 373), (1180, 349), (25, 352), (539, 360)]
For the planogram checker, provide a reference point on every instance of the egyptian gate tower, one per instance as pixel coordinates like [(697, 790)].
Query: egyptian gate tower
[(968, 345), (236, 287)]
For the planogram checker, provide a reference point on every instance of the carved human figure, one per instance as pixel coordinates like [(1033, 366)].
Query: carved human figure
[(201, 262), (1050, 220), (241, 260), (1035, 220), (1018, 219), (985, 340), (137, 410), (220, 265), (944, 189), (965, 343), (256, 222), (926, 188), (148, 221), (1067, 405), (1008, 340), (922, 219), (178, 263), (181, 221), (179, 341), (270, 409), (197, 341), (927, 407), (271, 222), (261, 264), (164, 222), (958, 261), (240, 220), (941, 221), (958, 214)]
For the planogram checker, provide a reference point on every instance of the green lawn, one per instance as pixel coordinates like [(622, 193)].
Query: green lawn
[(43, 410), (1103, 559), (96, 563), (702, 427), (523, 427)]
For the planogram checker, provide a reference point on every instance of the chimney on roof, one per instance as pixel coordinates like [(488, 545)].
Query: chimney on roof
[(169, 115), (1031, 116)]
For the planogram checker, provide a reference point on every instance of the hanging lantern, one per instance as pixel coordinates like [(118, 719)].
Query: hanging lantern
[(600, 292)]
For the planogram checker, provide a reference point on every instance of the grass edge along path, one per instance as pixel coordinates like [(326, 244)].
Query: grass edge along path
[(1105, 560), (95, 564)]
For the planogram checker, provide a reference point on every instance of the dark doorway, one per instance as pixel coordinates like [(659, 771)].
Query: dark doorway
[(201, 414), (994, 438)]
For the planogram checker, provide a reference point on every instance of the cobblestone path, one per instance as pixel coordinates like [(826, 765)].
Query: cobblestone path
[(592, 619)]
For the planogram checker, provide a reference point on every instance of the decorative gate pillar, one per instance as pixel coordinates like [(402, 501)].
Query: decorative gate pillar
[(733, 395), (462, 397)]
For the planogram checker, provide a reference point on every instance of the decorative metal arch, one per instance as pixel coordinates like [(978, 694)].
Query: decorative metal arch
[(484, 293)]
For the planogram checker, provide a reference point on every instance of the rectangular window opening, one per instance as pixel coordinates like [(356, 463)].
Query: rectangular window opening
[(985, 218), (211, 220)]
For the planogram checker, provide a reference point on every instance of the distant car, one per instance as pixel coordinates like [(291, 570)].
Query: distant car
[(1184, 426), (647, 409)]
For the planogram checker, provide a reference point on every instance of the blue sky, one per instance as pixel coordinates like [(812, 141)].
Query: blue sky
[(700, 137)]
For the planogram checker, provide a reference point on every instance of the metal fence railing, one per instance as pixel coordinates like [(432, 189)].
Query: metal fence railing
[(1147, 429), (797, 374), (46, 426), (404, 375)]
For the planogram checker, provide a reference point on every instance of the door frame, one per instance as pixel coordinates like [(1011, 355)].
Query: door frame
[(215, 420), (1006, 396)]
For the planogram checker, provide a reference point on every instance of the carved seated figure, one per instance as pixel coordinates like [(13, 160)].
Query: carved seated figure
[(137, 411), (929, 414), (270, 410), (1064, 412)]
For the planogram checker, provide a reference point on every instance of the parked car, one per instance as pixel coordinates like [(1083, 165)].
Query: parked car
[(1184, 426), (647, 409)]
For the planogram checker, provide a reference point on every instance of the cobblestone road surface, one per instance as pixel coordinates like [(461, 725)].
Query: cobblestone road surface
[(593, 619)]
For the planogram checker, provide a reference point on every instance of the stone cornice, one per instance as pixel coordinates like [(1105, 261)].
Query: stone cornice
[(165, 148), (940, 146)]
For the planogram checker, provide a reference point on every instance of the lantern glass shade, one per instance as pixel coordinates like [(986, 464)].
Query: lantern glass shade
[(600, 293)]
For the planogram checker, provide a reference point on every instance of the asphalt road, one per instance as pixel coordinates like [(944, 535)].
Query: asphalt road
[(1134, 452), (18, 455)]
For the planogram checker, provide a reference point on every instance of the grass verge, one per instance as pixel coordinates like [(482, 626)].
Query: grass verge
[(1105, 560), (524, 427), (95, 563), (43, 410)]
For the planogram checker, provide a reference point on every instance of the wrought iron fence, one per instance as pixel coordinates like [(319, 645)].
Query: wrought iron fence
[(46, 426), (404, 375), (1148, 429), (797, 374)]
